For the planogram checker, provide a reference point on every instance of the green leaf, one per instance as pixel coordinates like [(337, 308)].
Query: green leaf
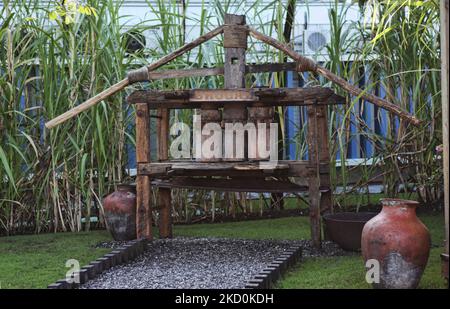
[(68, 20), (83, 167), (82, 9), (94, 11), (53, 15), (7, 168)]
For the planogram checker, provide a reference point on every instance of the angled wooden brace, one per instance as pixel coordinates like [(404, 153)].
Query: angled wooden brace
[(306, 64), (134, 76)]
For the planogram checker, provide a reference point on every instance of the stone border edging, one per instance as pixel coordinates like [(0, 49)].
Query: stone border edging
[(266, 278), (118, 256)]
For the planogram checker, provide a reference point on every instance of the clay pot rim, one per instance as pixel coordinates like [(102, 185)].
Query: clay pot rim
[(332, 217), (393, 202)]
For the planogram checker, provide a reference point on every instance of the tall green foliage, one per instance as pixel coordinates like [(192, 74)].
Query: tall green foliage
[(50, 180)]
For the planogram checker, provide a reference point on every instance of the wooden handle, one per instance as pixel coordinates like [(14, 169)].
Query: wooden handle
[(335, 79), (125, 82), (368, 96), (89, 103)]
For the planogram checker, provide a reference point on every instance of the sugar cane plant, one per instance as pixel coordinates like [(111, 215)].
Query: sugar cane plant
[(55, 55)]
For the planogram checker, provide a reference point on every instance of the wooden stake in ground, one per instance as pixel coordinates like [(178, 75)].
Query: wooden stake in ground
[(445, 129)]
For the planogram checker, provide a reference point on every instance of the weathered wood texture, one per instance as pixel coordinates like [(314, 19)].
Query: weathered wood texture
[(164, 194), (285, 168), (253, 97), (306, 64), (143, 187), (326, 204), (201, 72), (258, 185), (141, 74), (234, 66), (235, 56), (445, 122), (87, 104), (314, 176), (163, 133), (165, 212)]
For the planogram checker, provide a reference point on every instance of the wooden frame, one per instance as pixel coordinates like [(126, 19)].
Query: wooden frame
[(311, 176), (236, 101), (445, 126)]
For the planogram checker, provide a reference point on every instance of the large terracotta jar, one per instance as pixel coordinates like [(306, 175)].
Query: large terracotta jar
[(120, 212), (399, 241)]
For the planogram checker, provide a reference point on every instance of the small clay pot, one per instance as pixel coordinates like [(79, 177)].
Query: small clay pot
[(120, 212), (400, 243)]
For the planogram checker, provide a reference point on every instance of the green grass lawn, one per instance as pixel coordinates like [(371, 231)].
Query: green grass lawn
[(37, 260)]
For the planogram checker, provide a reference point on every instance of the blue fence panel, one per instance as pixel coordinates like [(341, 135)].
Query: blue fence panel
[(292, 122)]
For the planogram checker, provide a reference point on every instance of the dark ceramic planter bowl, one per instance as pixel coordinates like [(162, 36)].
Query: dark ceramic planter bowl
[(345, 228)]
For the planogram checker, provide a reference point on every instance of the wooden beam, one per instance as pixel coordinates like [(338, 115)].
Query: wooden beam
[(314, 176), (185, 73), (235, 45), (270, 67), (163, 133), (246, 97), (164, 194), (445, 126), (133, 76), (309, 65), (230, 185), (201, 72), (143, 183), (326, 204), (285, 168)]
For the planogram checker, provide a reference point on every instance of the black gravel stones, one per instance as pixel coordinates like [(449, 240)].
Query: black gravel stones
[(195, 263)]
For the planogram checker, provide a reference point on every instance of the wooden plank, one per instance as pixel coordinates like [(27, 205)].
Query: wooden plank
[(142, 133), (165, 212), (297, 169), (143, 187), (270, 67), (445, 125), (229, 185), (163, 133), (326, 204), (185, 73), (313, 177), (202, 72), (164, 194), (143, 208), (226, 166), (234, 72), (246, 97)]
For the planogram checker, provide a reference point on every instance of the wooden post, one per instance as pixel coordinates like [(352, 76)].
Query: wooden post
[(314, 177), (164, 194), (326, 204), (162, 128), (143, 182), (235, 44), (445, 129)]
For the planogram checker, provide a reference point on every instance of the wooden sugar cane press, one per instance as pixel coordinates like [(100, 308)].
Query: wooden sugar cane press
[(235, 104)]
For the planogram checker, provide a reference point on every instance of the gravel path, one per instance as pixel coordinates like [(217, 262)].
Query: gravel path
[(199, 263)]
